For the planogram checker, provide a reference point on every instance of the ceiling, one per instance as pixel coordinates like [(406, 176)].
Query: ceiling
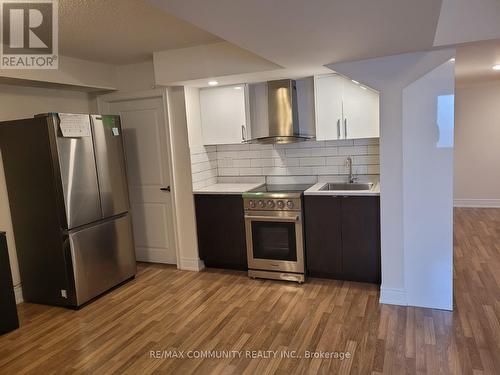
[(298, 33), (122, 31), (474, 62), (463, 21)]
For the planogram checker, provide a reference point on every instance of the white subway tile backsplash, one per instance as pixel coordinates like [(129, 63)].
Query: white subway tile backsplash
[(237, 147), (274, 171), (224, 163), (373, 169), (298, 152), (250, 171), (287, 162), (325, 151), (352, 150), (310, 144), (262, 162), (227, 154), (330, 169), (372, 150), (299, 171), (366, 141), (339, 143), (200, 167), (299, 161), (257, 146), (366, 160), (310, 162), (204, 166), (336, 160), (272, 153), (229, 171), (255, 154), (241, 163)]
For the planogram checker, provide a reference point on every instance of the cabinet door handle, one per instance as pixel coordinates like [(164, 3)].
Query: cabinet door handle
[(243, 132), (338, 129), (345, 128), (165, 188)]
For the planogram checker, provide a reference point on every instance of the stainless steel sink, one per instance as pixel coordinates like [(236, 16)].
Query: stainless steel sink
[(346, 186)]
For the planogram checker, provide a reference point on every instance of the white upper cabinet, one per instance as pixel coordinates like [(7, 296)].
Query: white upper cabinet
[(361, 111), (328, 101), (223, 114), (344, 109)]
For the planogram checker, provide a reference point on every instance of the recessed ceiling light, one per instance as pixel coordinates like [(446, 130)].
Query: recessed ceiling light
[(452, 60), (496, 67), (237, 88), (356, 82), (213, 83)]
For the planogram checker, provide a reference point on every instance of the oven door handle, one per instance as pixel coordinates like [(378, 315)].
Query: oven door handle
[(273, 218)]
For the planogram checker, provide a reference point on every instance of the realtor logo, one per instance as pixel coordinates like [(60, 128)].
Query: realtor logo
[(29, 34)]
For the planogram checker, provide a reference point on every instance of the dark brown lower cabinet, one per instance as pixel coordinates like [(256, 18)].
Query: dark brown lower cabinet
[(8, 309), (221, 230), (342, 236)]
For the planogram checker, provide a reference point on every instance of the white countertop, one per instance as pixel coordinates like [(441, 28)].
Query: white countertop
[(229, 188), (315, 190)]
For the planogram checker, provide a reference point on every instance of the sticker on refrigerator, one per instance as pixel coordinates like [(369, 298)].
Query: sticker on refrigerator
[(116, 131), (74, 126)]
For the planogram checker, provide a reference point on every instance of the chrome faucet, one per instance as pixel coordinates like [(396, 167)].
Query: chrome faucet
[(352, 178)]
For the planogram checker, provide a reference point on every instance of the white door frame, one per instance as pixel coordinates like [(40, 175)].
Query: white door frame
[(103, 106)]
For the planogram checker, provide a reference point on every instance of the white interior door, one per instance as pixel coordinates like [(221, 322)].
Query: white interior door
[(146, 151)]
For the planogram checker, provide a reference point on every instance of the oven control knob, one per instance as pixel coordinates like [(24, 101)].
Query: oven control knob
[(262, 204), (270, 203), (281, 204), (251, 204), (289, 204)]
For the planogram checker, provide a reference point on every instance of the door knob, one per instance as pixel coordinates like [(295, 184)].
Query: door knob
[(165, 188)]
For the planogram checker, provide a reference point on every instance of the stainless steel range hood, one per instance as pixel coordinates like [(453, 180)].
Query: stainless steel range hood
[(281, 111)]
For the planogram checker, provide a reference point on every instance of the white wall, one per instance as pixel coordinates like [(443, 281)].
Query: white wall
[(203, 158), (389, 75), (205, 61), (428, 107), (135, 77), (477, 150), (74, 72), (22, 102)]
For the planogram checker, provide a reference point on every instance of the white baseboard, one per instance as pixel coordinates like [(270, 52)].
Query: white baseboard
[(188, 264), (392, 296), (479, 203), (154, 256), (18, 292)]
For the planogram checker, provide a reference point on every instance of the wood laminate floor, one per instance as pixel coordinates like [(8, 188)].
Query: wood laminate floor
[(166, 309)]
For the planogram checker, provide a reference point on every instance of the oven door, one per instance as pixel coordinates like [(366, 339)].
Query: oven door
[(275, 241)]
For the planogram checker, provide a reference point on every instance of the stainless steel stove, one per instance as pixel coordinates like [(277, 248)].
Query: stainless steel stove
[(274, 232)]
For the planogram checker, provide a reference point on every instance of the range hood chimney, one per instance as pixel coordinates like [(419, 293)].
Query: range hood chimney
[(282, 111)]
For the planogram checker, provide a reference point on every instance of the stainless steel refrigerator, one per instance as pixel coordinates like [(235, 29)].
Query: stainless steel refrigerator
[(68, 196)]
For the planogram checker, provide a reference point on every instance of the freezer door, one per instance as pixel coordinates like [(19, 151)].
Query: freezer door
[(110, 164), (101, 257), (76, 165)]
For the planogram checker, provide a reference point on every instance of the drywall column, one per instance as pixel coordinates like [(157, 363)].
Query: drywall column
[(182, 183), (390, 75), (428, 121)]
